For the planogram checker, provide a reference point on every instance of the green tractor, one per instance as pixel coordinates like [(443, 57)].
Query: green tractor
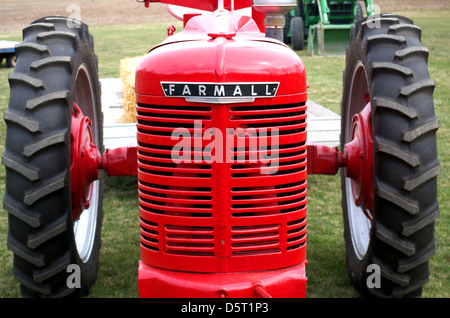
[(325, 24)]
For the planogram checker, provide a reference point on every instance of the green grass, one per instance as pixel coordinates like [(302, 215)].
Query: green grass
[(326, 258), (326, 270), (436, 37), (113, 43)]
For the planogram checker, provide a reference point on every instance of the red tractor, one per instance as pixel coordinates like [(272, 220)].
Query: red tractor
[(222, 157)]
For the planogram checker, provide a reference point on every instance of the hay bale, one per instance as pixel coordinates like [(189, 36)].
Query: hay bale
[(127, 76)]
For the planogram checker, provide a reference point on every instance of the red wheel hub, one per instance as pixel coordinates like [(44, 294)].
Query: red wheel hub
[(84, 162), (359, 160)]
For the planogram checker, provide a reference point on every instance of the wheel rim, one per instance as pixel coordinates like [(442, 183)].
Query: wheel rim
[(13, 61), (86, 225), (360, 221)]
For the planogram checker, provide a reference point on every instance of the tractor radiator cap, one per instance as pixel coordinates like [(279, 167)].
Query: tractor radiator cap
[(221, 25)]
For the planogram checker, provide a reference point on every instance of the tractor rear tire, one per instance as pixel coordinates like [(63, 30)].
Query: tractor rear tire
[(359, 12), (54, 255), (297, 34), (387, 65)]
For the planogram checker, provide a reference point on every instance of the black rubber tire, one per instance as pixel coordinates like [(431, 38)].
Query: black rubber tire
[(297, 34), (37, 158), (11, 60), (406, 165), (359, 12), (286, 29)]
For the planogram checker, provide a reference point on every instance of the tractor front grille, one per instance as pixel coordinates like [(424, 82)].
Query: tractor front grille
[(189, 240), (254, 240), (341, 12), (242, 207)]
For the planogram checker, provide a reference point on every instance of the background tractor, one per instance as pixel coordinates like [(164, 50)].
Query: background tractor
[(324, 24), (222, 157), (7, 52)]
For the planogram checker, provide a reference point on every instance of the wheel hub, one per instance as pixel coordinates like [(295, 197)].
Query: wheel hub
[(84, 162), (359, 160)]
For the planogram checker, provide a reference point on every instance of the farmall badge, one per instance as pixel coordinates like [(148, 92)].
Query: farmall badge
[(218, 93)]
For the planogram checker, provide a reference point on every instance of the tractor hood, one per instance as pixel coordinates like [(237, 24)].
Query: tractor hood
[(214, 54)]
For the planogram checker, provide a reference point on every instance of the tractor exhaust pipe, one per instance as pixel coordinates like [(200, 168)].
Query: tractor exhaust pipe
[(274, 11)]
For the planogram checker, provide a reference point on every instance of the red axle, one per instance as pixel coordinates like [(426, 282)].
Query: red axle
[(83, 168), (120, 161), (357, 158), (323, 159), (86, 161)]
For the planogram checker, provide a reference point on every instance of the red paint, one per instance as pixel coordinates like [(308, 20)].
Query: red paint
[(207, 5), (187, 17), (222, 61), (83, 168), (222, 228), (359, 157), (86, 161), (323, 159), (171, 30), (282, 283), (120, 161), (224, 223)]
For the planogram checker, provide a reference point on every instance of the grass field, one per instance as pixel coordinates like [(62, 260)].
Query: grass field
[(326, 270)]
